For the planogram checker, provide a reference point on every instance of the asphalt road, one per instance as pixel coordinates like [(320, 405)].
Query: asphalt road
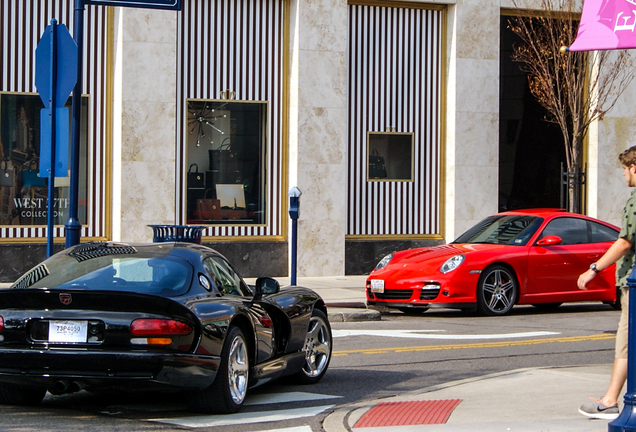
[(371, 360)]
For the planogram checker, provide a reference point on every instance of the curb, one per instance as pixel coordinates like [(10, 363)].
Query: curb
[(338, 314)]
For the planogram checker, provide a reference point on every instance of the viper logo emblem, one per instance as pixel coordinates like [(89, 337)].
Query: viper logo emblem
[(66, 298)]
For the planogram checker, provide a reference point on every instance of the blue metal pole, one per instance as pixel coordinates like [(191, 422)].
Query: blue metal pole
[(73, 226), (53, 105), (294, 250), (626, 421)]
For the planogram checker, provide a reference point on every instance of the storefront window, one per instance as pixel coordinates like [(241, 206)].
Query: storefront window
[(226, 145), (390, 156), (23, 193)]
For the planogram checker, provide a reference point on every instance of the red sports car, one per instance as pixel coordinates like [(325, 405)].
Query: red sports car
[(517, 257)]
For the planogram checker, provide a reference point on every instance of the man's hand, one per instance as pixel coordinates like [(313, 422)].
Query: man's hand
[(585, 278)]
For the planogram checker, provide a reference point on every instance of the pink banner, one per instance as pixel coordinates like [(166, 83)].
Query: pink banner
[(606, 24)]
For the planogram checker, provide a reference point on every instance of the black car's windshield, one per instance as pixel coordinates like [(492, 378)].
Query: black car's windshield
[(118, 270), (506, 229)]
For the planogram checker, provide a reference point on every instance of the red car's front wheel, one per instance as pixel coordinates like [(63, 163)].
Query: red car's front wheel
[(496, 291)]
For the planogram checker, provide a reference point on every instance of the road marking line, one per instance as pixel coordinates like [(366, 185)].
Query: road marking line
[(274, 398), (416, 334), (243, 418), (475, 345)]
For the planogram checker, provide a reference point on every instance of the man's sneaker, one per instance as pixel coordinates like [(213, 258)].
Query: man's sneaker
[(597, 410)]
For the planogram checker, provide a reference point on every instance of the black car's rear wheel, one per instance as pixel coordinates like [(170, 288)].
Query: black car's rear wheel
[(11, 394), (496, 291), (227, 393), (317, 348)]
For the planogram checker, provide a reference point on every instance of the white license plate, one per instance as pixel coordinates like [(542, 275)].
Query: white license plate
[(68, 331), (377, 286)]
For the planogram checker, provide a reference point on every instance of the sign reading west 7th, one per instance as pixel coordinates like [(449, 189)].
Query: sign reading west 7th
[(153, 4)]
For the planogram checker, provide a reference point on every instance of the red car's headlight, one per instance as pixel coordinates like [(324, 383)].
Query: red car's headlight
[(384, 261), (452, 263)]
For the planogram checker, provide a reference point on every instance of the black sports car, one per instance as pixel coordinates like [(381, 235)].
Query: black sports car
[(173, 315)]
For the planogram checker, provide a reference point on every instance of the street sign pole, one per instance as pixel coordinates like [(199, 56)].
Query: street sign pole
[(53, 105), (626, 421), (73, 226)]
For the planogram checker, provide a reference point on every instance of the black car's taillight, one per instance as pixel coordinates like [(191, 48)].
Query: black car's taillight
[(154, 331), (154, 326)]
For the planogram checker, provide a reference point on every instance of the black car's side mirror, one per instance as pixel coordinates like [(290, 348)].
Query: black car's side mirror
[(265, 286)]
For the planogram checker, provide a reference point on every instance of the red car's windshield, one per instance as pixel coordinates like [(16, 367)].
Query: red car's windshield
[(502, 229)]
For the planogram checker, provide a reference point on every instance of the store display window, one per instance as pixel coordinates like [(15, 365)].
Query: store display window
[(390, 156), (225, 169), (23, 193)]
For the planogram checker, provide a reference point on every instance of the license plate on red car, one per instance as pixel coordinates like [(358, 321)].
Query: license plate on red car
[(67, 331), (377, 286)]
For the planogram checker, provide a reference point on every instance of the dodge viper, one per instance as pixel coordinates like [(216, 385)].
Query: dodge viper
[(170, 315)]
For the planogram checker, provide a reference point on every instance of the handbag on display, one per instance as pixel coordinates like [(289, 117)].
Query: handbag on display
[(6, 174), (31, 176), (223, 159), (208, 208), (377, 167), (196, 180)]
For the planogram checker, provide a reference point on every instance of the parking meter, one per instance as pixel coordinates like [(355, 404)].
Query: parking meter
[(294, 214)]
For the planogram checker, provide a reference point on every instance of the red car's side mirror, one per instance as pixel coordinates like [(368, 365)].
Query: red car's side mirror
[(550, 241)]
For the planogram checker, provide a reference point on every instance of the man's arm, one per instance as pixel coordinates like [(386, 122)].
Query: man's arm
[(616, 251)]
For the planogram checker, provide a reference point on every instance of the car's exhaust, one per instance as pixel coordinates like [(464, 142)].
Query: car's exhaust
[(65, 386), (60, 387)]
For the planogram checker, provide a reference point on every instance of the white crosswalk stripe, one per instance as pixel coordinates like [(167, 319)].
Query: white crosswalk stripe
[(275, 398), (244, 417), (427, 334)]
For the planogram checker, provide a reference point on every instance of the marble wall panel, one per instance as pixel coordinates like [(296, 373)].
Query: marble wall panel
[(476, 195), (148, 131), (147, 198), (146, 25), (477, 84), (477, 29), (149, 72), (322, 79), (324, 195), (319, 19), (320, 247), (324, 134), (478, 139)]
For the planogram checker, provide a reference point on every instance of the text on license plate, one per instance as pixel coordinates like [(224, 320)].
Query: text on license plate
[(377, 286), (67, 331)]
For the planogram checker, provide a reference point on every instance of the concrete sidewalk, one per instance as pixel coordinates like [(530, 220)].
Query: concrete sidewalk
[(524, 400)]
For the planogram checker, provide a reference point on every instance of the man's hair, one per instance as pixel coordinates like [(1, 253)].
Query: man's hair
[(628, 157)]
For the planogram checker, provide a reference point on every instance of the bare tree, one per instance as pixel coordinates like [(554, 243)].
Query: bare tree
[(576, 88)]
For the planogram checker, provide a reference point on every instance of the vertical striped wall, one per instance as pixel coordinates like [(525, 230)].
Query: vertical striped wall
[(233, 45), (395, 66), (22, 22)]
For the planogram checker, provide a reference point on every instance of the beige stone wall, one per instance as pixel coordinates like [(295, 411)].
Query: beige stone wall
[(318, 132), (144, 135), (472, 114), (607, 190)]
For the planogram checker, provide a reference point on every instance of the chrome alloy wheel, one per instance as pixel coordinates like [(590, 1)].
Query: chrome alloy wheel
[(237, 369), (498, 291), (317, 347)]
